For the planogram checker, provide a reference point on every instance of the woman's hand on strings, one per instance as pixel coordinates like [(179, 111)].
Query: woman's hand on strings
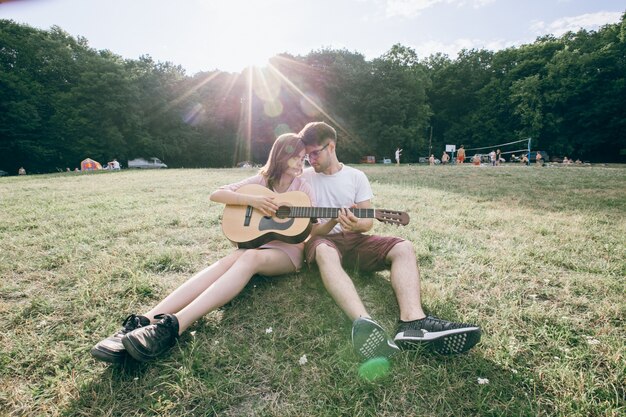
[(264, 204)]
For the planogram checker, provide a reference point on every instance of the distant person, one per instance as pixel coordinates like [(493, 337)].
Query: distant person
[(525, 160), (147, 337), (539, 159), (566, 161), (445, 158), (578, 162), (476, 159), (21, 171), (115, 165), (431, 160), (492, 158), (460, 156), (398, 153)]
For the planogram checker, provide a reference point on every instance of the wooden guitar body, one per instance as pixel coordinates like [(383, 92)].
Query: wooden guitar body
[(248, 228)]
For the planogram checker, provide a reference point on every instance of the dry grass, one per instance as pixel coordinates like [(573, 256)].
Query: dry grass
[(537, 256)]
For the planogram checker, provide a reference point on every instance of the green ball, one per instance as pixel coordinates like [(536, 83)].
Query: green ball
[(374, 368)]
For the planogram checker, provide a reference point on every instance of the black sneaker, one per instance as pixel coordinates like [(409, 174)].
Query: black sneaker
[(150, 342), (370, 340), (442, 336), (111, 349)]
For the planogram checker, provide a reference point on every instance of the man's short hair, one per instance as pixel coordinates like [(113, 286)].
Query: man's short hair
[(315, 133)]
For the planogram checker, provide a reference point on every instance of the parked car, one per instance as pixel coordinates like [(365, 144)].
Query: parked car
[(3, 173), (146, 164)]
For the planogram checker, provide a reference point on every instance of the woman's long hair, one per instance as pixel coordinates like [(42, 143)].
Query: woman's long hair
[(285, 147)]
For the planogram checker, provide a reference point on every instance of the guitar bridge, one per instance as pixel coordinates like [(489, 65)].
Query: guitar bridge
[(248, 217)]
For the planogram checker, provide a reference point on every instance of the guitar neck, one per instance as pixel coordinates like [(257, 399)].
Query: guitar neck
[(383, 215), (329, 212)]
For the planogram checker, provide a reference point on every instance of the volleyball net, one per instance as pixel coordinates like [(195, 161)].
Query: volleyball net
[(513, 149)]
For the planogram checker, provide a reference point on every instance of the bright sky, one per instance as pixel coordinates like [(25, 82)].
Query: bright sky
[(203, 35)]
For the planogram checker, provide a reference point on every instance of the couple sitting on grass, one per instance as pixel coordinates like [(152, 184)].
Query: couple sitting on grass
[(334, 244)]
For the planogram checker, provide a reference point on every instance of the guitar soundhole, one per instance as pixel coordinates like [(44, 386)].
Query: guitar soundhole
[(283, 212)]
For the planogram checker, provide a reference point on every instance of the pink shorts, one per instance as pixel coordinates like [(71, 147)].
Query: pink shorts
[(292, 250), (365, 252)]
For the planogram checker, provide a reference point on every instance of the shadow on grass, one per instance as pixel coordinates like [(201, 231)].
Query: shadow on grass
[(238, 367)]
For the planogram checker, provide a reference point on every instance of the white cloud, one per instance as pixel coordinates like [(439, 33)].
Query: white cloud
[(589, 21), (425, 49), (412, 8), (476, 4), (408, 8)]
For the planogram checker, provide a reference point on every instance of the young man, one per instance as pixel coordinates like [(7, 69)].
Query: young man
[(460, 156), (346, 246)]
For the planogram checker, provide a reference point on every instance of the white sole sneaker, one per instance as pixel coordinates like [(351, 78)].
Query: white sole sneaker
[(370, 340)]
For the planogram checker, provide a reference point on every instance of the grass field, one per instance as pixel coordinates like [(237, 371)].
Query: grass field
[(536, 256)]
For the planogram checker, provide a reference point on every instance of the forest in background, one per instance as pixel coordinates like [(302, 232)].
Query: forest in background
[(62, 101)]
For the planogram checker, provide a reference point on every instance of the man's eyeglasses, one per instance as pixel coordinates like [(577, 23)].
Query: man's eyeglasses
[(316, 154)]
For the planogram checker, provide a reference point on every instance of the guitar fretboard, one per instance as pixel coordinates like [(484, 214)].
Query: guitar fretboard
[(323, 212)]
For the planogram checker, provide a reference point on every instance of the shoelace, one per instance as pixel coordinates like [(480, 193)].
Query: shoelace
[(164, 327), (130, 323)]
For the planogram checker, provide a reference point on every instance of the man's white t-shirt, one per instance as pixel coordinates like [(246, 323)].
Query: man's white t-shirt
[(344, 188)]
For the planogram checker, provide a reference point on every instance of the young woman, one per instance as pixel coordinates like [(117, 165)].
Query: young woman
[(146, 337)]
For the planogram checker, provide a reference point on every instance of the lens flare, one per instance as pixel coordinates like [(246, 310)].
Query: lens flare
[(194, 115), (281, 129), (273, 108), (374, 369), (307, 107), (265, 84)]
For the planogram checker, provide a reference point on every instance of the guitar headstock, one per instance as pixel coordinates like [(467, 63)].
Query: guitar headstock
[(392, 217)]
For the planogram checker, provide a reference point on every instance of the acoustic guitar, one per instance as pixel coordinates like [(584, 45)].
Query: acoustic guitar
[(249, 228)]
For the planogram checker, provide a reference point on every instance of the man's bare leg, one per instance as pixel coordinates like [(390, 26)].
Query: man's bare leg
[(338, 284), (405, 280)]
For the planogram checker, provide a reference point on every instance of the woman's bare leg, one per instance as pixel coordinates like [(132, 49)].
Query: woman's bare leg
[(225, 288), (190, 289)]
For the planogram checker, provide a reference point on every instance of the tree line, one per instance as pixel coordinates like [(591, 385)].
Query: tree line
[(62, 101)]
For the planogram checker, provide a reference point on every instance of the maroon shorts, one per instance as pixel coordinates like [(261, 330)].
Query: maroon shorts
[(365, 252)]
